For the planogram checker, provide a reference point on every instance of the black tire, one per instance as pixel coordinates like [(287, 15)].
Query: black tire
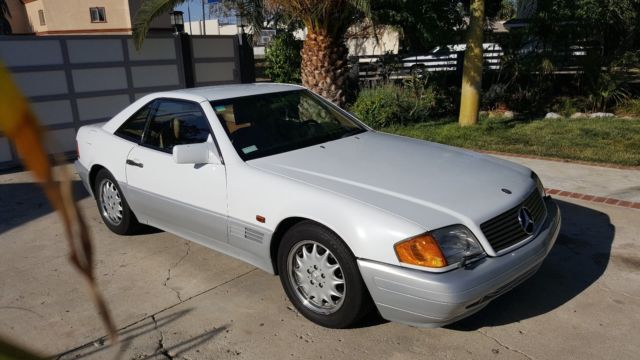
[(356, 301), (128, 223)]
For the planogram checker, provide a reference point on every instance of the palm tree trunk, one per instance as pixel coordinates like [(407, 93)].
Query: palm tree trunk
[(324, 66), (472, 73), (5, 14)]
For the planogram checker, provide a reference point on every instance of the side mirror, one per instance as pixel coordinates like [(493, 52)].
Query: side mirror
[(201, 153)]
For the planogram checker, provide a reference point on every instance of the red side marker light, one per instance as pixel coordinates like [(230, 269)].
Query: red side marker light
[(260, 218)]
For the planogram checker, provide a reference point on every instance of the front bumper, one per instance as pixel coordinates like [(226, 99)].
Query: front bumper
[(428, 299)]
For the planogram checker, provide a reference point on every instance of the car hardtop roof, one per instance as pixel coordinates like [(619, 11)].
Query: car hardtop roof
[(221, 92)]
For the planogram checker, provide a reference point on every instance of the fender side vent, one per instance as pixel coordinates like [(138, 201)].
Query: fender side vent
[(253, 235)]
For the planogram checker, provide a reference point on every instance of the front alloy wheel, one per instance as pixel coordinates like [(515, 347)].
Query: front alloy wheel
[(320, 276), (317, 277)]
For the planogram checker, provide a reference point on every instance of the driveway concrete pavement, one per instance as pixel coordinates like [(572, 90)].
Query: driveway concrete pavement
[(175, 299), (623, 184)]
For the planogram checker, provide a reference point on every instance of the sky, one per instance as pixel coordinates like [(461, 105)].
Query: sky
[(196, 10)]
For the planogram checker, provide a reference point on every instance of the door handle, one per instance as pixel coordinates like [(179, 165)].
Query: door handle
[(133, 163)]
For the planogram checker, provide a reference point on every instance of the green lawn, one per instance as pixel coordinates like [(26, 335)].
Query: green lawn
[(611, 140)]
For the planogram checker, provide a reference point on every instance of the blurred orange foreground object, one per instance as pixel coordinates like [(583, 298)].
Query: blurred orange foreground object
[(21, 127)]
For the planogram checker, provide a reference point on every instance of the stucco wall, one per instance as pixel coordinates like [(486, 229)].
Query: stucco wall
[(73, 16), (363, 42), (31, 9)]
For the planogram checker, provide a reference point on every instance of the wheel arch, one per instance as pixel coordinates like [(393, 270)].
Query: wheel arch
[(283, 226), (95, 169), (276, 238)]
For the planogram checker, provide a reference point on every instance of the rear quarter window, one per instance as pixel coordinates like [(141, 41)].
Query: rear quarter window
[(133, 128)]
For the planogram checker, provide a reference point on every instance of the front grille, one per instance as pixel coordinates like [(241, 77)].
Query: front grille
[(505, 230)]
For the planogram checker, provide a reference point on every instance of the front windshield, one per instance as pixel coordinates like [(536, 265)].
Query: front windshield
[(268, 124)]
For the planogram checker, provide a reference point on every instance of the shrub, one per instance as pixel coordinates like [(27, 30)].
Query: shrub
[(629, 108), (420, 97), (446, 102), (394, 105), (567, 106), (608, 90), (379, 106), (529, 99), (282, 58), (495, 97)]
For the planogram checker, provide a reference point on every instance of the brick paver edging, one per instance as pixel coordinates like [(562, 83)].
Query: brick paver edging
[(571, 161), (595, 199)]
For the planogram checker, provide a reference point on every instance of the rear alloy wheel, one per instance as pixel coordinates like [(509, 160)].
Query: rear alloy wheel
[(110, 202), (321, 277), (113, 207)]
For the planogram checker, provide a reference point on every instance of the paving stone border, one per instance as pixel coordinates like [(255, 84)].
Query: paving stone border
[(594, 198)]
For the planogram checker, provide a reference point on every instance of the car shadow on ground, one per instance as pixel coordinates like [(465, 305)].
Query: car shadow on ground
[(24, 202), (141, 335), (579, 257)]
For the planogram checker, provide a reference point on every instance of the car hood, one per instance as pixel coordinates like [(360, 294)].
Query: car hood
[(418, 180)]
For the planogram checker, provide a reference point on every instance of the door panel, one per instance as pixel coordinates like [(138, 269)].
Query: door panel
[(187, 199), (182, 198)]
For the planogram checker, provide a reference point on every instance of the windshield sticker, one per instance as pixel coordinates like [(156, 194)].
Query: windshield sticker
[(249, 149), (219, 108)]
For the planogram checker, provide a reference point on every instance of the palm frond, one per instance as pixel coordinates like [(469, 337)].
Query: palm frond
[(150, 10), (252, 11), (363, 6), (4, 8)]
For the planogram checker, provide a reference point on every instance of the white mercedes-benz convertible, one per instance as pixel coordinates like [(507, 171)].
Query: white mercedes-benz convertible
[(348, 217)]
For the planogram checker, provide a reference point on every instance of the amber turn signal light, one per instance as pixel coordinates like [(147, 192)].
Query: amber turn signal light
[(422, 250)]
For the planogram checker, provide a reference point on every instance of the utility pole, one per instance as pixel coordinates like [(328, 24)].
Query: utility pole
[(204, 24), (189, 16)]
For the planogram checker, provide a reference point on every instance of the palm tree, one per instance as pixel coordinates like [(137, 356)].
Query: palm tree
[(5, 14), (148, 11), (324, 53), (472, 72)]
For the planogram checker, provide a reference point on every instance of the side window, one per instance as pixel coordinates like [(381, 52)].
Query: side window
[(133, 128), (176, 123), (97, 14)]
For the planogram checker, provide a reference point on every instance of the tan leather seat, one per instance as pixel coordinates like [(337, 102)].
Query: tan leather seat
[(170, 135), (176, 129)]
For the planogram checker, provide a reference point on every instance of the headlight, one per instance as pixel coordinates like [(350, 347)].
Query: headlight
[(457, 243), (440, 248), (539, 185)]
